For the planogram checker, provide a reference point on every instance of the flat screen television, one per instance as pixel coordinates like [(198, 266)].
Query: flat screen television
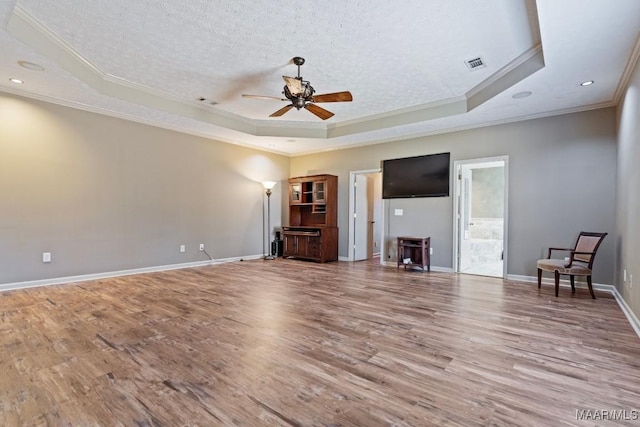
[(420, 176)]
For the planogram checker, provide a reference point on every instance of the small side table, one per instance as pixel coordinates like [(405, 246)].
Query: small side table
[(414, 251)]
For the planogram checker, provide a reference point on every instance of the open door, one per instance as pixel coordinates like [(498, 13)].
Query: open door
[(365, 212), (480, 234), (361, 219)]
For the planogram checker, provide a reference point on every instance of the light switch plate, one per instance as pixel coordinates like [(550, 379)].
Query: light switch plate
[(46, 256), (398, 212)]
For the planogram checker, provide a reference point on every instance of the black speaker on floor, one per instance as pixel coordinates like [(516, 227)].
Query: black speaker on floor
[(276, 247)]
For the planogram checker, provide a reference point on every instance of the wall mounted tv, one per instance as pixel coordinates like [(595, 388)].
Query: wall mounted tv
[(420, 176)]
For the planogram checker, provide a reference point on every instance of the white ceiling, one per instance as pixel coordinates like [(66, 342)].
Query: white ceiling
[(404, 63)]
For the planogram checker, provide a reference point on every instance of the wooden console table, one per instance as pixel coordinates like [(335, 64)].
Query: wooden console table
[(416, 250)]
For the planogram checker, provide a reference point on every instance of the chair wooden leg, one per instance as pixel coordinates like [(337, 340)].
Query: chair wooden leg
[(539, 278), (573, 284), (557, 274), (590, 287)]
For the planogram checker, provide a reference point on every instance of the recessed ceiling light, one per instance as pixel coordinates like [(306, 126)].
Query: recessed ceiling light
[(18, 81), (523, 94), (30, 65), (587, 83)]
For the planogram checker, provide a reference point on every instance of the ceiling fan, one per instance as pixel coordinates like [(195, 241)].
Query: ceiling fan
[(301, 94)]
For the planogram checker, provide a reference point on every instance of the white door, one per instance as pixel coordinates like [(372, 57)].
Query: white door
[(464, 215), (361, 219), (370, 216)]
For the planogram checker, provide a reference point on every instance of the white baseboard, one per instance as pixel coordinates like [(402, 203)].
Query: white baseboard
[(109, 274), (633, 319), (346, 258), (551, 281)]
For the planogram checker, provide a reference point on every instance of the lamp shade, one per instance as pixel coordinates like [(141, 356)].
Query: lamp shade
[(269, 184)]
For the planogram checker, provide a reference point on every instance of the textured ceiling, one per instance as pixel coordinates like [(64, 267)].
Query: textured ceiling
[(404, 63)]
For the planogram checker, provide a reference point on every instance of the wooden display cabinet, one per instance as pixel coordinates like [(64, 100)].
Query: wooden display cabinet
[(313, 218)]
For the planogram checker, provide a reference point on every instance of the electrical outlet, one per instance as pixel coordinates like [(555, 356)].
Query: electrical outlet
[(46, 257), (182, 248), (202, 246), (430, 251)]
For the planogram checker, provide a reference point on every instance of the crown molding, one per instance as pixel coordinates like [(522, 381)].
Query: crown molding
[(460, 128), (186, 130), (514, 72), (132, 118), (628, 71)]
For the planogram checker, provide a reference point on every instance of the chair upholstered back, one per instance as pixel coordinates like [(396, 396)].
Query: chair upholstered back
[(580, 263), (588, 242)]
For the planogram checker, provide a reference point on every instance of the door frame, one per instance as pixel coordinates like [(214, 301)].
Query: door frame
[(465, 207), (352, 209), (456, 196)]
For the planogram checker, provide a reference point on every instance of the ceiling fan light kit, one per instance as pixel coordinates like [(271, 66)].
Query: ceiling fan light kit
[(301, 95)]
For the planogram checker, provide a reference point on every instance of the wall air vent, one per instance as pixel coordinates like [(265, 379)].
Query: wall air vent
[(475, 64)]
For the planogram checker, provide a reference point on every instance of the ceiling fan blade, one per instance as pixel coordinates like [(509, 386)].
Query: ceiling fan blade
[(318, 111), (244, 95), (334, 97), (282, 111), (294, 85)]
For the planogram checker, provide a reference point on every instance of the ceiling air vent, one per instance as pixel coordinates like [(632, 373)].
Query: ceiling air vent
[(207, 101), (475, 64)]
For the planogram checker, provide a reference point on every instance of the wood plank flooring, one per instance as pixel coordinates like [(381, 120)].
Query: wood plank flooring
[(294, 343)]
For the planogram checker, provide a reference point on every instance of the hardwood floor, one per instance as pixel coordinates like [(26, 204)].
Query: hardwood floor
[(294, 343)]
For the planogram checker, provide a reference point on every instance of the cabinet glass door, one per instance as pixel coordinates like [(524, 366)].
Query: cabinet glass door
[(319, 191), (296, 191)]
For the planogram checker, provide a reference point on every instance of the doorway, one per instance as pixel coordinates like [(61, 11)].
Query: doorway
[(480, 216), (365, 214)]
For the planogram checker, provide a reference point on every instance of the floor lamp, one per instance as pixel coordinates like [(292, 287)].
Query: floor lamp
[(268, 185)]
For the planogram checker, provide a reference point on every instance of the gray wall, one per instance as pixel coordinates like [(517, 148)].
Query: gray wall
[(104, 194), (628, 195), (562, 173)]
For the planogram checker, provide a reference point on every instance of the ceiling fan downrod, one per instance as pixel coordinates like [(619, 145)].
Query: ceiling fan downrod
[(298, 61)]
